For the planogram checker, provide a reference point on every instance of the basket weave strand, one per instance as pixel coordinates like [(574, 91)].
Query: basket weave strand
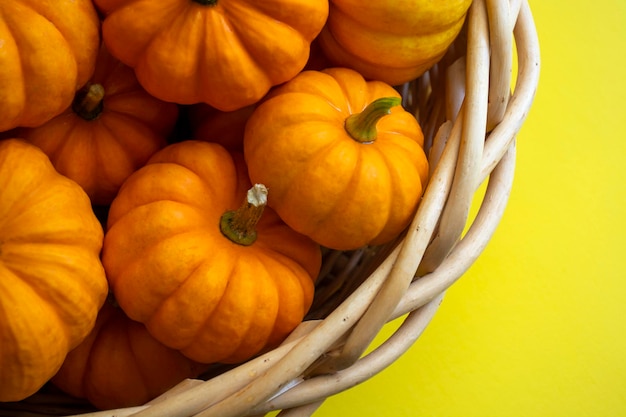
[(470, 118)]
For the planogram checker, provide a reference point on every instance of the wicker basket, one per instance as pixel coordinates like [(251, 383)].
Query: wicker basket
[(470, 119)]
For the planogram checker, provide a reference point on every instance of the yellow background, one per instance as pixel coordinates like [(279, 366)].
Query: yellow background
[(537, 328)]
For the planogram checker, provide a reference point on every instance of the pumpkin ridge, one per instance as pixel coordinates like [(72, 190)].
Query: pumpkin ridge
[(180, 233), (349, 190), (58, 280), (113, 330), (284, 254), (300, 278), (33, 359), (231, 175), (207, 323), (237, 356), (273, 74), (139, 370), (308, 17), (197, 274), (139, 212), (116, 23), (37, 14), (66, 34), (60, 49), (112, 124), (206, 316), (130, 266), (69, 339), (21, 82), (298, 270), (91, 341), (63, 125), (253, 67), (353, 91), (260, 260), (313, 86), (63, 234), (319, 155), (77, 136), (44, 288), (22, 206), (154, 202), (153, 55), (124, 115), (393, 179), (352, 189), (217, 305), (62, 146), (353, 56), (126, 152), (107, 162)]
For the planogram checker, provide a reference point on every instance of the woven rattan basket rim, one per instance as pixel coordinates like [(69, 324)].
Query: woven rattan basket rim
[(471, 117)]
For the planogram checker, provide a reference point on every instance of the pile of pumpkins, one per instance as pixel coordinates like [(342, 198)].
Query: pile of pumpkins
[(228, 141)]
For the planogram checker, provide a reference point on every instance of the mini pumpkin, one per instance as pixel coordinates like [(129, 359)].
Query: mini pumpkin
[(120, 364), (343, 160), (391, 41), (212, 125), (110, 130), (52, 282), (188, 253), (226, 53), (47, 51)]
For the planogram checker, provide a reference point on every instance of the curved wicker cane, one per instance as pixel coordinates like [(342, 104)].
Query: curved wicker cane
[(470, 116)]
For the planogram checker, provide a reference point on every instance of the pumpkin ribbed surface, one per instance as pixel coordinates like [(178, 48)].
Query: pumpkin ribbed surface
[(224, 53), (171, 268), (342, 192), (48, 51), (111, 130), (52, 282)]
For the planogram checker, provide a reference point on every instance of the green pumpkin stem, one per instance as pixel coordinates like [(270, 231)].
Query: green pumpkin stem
[(88, 101), (362, 126), (240, 225)]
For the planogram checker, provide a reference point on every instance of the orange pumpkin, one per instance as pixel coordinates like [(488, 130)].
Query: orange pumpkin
[(52, 282), (212, 125), (121, 365), (47, 52), (344, 167), (224, 53), (180, 263), (111, 129), (391, 41)]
